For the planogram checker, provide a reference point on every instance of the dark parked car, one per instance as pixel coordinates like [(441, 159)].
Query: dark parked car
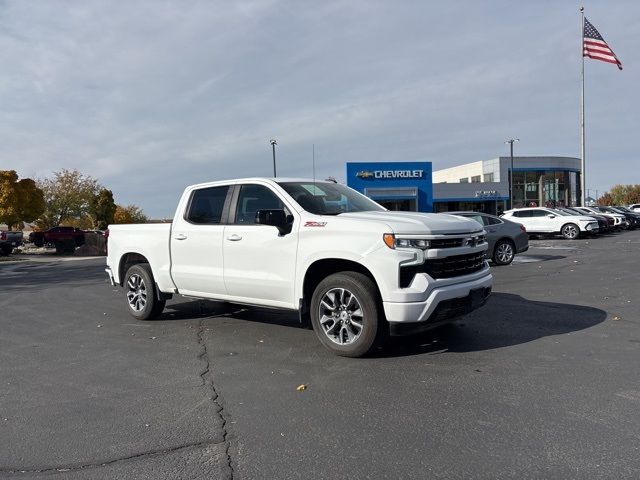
[(8, 241), (505, 238), (65, 239), (633, 220), (633, 217)]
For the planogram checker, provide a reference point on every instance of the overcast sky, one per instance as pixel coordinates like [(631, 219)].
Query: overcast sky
[(151, 96)]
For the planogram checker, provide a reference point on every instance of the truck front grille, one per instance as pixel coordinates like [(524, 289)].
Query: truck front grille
[(448, 267), (446, 243)]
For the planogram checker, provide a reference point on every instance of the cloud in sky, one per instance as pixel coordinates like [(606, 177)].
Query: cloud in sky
[(151, 96)]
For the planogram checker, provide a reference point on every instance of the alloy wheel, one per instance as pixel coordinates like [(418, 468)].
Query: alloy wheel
[(504, 252), (341, 316), (570, 232), (136, 292)]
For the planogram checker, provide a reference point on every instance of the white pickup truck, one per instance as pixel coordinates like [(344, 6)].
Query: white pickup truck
[(356, 269)]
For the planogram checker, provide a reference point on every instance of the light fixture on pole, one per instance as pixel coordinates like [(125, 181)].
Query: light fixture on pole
[(273, 146), (510, 142)]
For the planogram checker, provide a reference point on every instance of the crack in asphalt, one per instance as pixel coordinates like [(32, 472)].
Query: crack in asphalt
[(207, 381), (103, 463)]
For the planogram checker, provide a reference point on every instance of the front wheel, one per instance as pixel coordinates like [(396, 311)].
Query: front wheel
[(570, 231), (503, 252), (345, 313), (140, 292)]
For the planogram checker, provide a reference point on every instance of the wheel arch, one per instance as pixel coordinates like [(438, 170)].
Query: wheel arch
[(127, 261), (130, 259), (321, 269)]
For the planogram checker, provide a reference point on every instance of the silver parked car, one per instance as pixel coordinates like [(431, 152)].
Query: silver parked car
[(505, 238)]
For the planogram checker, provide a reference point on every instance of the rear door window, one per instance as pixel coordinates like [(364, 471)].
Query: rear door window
[(207, 205), (490, 220), (538, 213)]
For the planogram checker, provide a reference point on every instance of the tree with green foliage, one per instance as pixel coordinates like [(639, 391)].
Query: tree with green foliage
[(621, 195), (103, 209), (20, 200), (68, 195)]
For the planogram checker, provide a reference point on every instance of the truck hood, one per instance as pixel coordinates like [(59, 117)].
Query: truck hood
[(415, 223)]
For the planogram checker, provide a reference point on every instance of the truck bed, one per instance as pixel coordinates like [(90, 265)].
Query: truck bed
[(152, 240)]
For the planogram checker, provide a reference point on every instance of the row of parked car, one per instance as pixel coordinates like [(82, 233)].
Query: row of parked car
[(508, 234), (64, 239), (572, 222)]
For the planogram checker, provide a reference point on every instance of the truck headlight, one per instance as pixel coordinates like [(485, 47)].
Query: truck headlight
[(391, 241)]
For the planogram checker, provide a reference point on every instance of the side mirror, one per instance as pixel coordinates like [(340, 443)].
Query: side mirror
[(551, 215), (275, 218)]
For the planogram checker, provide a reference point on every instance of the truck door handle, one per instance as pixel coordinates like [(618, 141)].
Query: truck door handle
[(180, 236), (234, 238)]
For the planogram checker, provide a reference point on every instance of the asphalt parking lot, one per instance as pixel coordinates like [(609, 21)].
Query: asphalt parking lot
[(543, 382)]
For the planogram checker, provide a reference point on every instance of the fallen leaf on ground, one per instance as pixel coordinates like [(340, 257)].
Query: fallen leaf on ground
[(301, 388)]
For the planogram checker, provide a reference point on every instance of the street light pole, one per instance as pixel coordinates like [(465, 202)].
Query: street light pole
[(510, 142), (273, 146)]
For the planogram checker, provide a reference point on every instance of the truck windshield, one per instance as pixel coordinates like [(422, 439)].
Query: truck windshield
[(322, 198)]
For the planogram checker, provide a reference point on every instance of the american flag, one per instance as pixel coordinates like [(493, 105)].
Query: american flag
[(595, 47)]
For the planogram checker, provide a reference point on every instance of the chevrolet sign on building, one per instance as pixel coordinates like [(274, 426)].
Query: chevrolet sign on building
[(390, 174), (395, 185)]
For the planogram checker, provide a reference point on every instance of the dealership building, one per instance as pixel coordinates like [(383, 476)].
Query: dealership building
[(480, 186)]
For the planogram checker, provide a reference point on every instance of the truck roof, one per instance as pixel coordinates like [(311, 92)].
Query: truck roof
[(250, 179)]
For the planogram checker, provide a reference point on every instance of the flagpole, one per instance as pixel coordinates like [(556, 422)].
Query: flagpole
[(582, 149)]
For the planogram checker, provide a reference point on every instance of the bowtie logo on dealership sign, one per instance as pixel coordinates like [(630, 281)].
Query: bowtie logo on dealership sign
[(364, 174), (390, 174)]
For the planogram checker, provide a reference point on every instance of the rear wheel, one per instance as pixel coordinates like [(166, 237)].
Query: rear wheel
[(5, 250), (345, 313), (503, 252), (570, 231), (140, 293)]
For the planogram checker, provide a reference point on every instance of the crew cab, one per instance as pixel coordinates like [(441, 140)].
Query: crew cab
[(548, 220), (355, 269)]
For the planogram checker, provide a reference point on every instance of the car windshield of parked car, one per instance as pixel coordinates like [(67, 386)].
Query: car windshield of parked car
[(560, 212), (609, 210), (323, 198), (568, 212)]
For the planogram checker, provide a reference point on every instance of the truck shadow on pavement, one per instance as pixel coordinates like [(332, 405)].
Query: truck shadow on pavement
[(505, 320)]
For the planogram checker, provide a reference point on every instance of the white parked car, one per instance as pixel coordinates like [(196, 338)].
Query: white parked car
[(620, 221), (321, 248), (548, 220), (635, 207)]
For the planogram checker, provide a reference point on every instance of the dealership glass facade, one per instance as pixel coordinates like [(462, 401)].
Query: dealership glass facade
[(482, 186), (545, 188)]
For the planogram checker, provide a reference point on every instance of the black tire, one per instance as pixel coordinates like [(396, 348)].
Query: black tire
[(60, 247), (39, 243), (332, 335), (5, 250), (140, 293), (503, 252), (570, 231)]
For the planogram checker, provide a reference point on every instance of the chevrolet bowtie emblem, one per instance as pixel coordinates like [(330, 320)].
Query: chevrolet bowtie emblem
[(364, 174)]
